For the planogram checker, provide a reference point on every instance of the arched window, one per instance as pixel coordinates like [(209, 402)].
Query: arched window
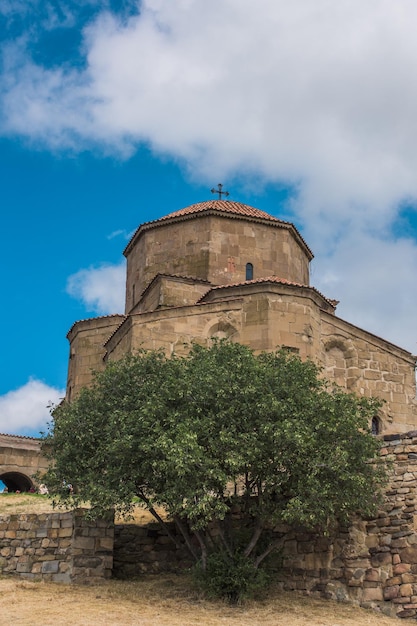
[(249, 271), (376, 425), (222, 330)]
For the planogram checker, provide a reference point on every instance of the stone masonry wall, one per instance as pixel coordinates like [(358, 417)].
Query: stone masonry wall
[(87, 338), (371, 367), (146, 550), (374, 562), (60, 547)]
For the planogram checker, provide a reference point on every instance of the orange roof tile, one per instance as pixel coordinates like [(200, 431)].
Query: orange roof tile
[(9, 436), (225, 206), (272, 279)]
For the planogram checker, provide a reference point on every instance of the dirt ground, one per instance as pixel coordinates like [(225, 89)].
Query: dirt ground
[(164, 601)]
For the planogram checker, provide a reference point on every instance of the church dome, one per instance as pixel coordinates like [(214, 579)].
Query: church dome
[(220, 242), (225, 208)]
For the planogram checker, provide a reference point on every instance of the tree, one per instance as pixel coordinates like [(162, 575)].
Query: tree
[(218, 429)]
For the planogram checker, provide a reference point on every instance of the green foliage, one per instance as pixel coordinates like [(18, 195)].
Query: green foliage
[(219, 428), (232, 578)]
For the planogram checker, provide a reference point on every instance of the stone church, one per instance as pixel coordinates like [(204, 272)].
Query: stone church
[(221, 268)]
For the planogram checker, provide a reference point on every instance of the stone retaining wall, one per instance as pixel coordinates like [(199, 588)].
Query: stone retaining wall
[(61, 547), (374, 562), (146, 550)]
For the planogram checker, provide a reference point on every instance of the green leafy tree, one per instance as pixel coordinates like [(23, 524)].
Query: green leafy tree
[(219, 430)]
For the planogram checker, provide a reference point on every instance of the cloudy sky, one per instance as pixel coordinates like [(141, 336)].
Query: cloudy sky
[(117, 112)]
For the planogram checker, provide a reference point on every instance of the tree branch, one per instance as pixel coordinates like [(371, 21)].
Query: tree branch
[(272, 546), (156, 515), (255, 537)]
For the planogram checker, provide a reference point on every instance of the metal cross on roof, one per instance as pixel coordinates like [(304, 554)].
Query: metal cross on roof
[(219, 191)]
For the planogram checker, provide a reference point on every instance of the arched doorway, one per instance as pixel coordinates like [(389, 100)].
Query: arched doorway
[(15, 481)]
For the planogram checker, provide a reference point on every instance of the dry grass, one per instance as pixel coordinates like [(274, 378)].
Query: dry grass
[(165, 601), (155, 601), (11, 503)]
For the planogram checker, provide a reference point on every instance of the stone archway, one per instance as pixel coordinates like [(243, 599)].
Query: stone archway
[(20, 459), (16, 481)]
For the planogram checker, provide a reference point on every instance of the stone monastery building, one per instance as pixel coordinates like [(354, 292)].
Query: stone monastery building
[(225, 269)]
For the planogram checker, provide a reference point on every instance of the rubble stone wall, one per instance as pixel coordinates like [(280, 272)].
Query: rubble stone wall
[(374, 562), (59, 547), (147, 550)]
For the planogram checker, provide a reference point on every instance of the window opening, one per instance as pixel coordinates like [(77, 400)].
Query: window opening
[(376, 425), (249, 271)]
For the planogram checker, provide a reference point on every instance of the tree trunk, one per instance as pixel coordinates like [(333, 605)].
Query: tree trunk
[(255, 538), (184, 532), (203, 548)]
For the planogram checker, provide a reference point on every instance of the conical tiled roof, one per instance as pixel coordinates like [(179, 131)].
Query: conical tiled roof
[(228, 208)]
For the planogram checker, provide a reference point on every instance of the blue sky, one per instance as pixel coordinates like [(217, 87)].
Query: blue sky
[(115, 113)]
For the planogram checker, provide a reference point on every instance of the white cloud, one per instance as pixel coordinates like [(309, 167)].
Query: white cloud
[(116, 233), (24, 411), (321, 95), (375, 280), (102, 289), (121, 233)]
